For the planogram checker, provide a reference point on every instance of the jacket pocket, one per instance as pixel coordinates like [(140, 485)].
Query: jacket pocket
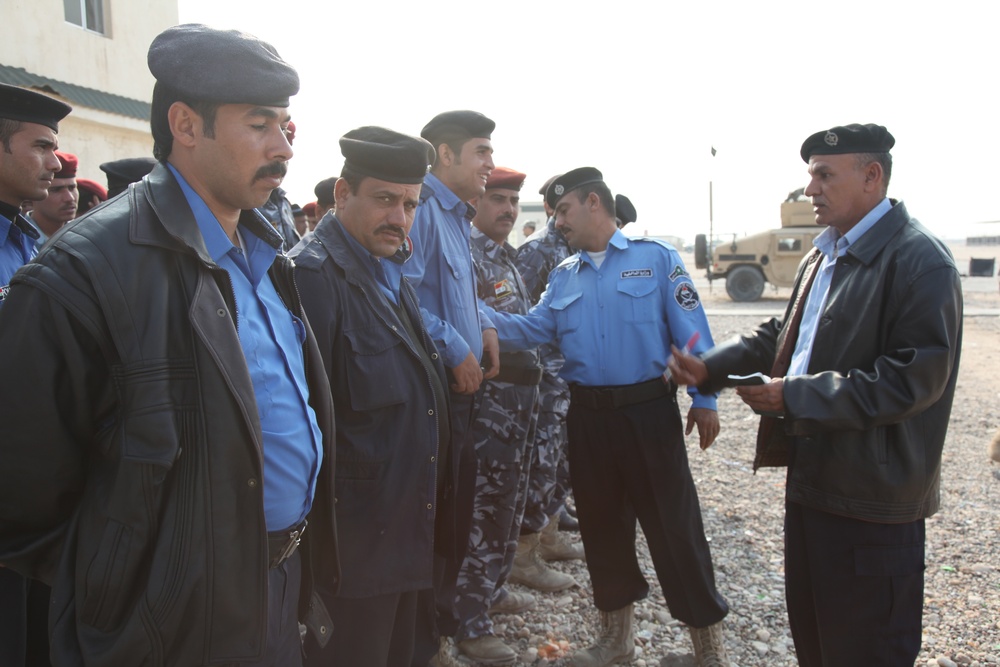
[(375, 368)]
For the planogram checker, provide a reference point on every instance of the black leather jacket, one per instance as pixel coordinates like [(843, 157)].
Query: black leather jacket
[(132, 465), (868, 424)]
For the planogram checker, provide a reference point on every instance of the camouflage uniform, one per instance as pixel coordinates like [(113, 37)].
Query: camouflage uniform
[(548, 483), (501, 433)]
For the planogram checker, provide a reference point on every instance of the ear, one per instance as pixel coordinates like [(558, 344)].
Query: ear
[(446, 157), (341, 191), (185, 124), (874, 177), (593, 201)]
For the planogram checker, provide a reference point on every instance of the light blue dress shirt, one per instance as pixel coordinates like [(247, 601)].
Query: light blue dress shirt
[(615, 324), (16, 250), (384, 272), (832, 245), (441, 272), (272, 338)]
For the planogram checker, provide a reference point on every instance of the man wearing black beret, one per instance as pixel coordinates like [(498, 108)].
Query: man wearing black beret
[(441, 271), (863, 368), (29, 126), (121, 173), (390, 393), (169, 470)]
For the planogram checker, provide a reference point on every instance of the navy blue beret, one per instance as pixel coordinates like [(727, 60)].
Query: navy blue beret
[(129, 170), (387, 155), (224, 66), (462, 124), (27, 106), (853, 138), (570, 181), (624, 209)]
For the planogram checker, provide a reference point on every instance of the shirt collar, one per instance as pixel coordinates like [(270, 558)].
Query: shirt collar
[(449, 200), (832, 244), (618, 241)]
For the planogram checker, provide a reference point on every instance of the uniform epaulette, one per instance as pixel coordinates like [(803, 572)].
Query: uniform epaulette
[(312, 255), (650, 239)]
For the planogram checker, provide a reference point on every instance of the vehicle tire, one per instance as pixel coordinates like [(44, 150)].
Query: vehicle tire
[(700, 252), (744, 283)]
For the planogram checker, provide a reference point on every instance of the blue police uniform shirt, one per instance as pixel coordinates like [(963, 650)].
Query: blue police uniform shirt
[(615, 324), (16, 249), (832, 245), (271, 337), (441, 272)]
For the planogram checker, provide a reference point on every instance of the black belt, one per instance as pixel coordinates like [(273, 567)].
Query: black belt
[(614, 397), (529, 375), (282, 544)]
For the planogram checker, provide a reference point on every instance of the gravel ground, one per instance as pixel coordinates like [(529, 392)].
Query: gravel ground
[(743, 520)]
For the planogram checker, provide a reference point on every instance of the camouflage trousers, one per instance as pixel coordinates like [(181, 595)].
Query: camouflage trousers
[(548, 482), (501, 435)]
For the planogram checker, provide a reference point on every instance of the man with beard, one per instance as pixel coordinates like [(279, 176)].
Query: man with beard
[(59, 206), (627, 455), (390, 394), (174, 433)]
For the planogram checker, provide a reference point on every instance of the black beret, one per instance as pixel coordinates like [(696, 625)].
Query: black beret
[(570, 181), (546, 184), (624, 209), (853, 138), (224, 66), (27, 106), (462, 124), (122, 172), (387, 155), (324, 191)]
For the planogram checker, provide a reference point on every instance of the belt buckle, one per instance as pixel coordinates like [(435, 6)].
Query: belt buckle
[(294, 539)]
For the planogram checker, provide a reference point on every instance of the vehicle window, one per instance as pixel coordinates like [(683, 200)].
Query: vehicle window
[(790, 245)]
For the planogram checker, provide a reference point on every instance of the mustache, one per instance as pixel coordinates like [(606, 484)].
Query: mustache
[(392, 230), (273, 169), (507, 217)]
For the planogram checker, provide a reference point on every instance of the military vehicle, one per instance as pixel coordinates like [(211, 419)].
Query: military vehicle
[(748, 263)]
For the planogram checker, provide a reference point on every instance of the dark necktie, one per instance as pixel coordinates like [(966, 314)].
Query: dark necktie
[(772, 443)]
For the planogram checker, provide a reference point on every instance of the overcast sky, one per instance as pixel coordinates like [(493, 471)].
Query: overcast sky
[(643, 90)]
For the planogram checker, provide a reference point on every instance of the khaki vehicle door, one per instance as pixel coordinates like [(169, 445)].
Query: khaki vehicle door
[(788, 247)]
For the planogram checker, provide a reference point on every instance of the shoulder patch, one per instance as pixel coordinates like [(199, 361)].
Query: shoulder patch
[(687, 296), (678, 272), (4, 290), (638, 273)]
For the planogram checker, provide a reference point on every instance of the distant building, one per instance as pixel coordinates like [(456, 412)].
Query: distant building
[(90, 54)]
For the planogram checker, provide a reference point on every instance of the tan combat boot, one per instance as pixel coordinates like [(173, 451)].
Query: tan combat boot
[(554, 544), (530, 570), (488, 650), (710, 646), (513, 602), (615, 643)]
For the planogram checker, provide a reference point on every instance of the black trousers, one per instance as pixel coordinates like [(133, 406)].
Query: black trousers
[(631, 463), (24, 621), (376, 631), (854, 589)]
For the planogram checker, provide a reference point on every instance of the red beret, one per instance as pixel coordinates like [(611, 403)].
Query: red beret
[(69, 165), (290, 132), (508, 179), (93, 187), (310, 208)]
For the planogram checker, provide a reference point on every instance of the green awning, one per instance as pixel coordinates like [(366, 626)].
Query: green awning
[(87, 97)]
